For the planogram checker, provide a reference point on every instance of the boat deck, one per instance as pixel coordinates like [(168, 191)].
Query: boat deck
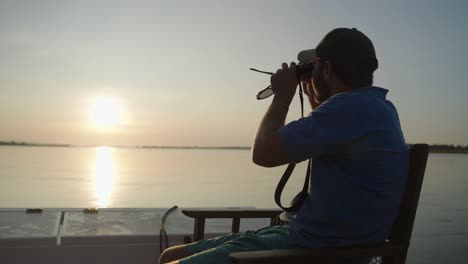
[(111, 235)]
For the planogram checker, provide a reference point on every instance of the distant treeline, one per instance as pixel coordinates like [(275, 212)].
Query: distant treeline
[(433, 148), (29, 144), (448, 149)]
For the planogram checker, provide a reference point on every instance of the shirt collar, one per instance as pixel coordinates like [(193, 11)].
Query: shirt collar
[(379, 90)]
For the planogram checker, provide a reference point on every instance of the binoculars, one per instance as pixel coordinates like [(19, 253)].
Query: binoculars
[(302, 70)]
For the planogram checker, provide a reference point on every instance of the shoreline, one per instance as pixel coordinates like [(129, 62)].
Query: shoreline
[(26, 144), (449, 149)]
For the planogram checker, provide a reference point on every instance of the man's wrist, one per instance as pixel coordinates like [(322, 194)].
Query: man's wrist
[(281, 103)]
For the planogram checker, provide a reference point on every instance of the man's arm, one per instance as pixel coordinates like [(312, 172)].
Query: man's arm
[(268, 150)]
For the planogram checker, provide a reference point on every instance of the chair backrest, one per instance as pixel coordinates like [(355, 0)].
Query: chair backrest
[(403, 227)]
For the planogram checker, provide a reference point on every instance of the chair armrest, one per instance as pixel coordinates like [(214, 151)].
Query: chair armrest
[(236, 214), (313, 255)]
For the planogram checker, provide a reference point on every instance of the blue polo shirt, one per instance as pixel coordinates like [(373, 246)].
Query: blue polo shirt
[(358, 174)]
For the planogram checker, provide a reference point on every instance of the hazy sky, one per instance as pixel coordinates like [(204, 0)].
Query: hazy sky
[(179, 69)]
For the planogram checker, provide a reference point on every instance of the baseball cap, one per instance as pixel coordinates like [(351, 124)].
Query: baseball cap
[(344, 47)]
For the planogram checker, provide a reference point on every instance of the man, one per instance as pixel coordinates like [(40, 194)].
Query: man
[(353, 136)]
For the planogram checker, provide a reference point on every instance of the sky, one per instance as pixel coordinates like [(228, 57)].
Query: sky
[(177, 72)]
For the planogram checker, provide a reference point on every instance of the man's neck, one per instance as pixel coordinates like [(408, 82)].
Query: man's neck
[(339, 87)]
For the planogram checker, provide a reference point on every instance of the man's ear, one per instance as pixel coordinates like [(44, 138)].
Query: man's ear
[(327, 70)]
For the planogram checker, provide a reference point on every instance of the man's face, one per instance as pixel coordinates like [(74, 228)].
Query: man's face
[(320, 86)]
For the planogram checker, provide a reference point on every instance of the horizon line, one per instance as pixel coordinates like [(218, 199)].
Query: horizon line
[(42, 144), (434, 147)]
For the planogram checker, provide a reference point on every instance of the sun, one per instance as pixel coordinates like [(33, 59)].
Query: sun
[(105, 112)]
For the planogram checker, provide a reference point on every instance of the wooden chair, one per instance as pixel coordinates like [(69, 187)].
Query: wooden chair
[(393, 251)]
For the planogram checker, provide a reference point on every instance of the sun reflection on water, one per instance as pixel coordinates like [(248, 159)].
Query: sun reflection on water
[(104, 174)]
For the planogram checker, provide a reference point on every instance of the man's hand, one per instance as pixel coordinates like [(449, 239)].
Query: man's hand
[(284, 83), (311, 95)]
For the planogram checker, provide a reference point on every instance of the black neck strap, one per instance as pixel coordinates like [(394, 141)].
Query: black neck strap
[(300, 197)]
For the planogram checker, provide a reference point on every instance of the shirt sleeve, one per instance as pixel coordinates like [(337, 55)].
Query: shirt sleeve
[(328, 128)]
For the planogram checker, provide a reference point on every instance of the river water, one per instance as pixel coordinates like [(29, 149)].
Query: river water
[(133, 177)]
